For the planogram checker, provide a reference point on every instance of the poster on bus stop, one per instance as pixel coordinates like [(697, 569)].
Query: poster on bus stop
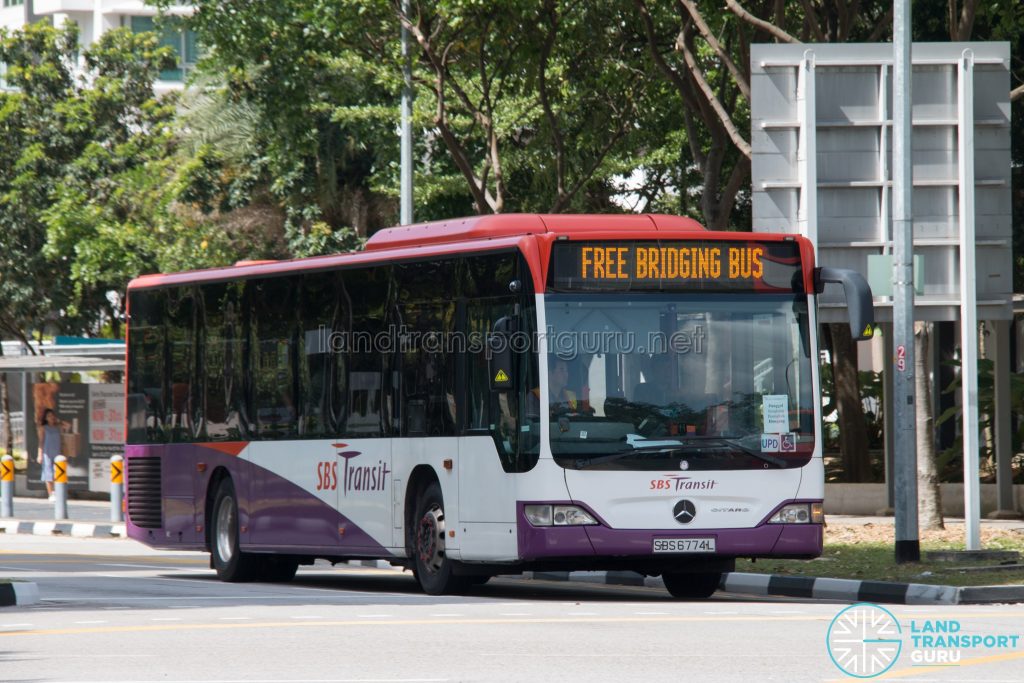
[(91, 422), (106, 432)]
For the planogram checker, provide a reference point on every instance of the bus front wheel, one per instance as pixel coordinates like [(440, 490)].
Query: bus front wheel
[(691, 586), (231, 564), (434, 570)]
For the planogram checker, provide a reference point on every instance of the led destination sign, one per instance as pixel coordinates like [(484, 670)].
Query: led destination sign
[(705, 265)]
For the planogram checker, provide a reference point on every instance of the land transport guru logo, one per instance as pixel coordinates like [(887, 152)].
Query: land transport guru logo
[(865, 640)]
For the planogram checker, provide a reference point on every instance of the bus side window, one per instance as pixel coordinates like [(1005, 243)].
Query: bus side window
[(502, 413), (426, 317), (273, 363), (323, 312), (366, 402), (183, 402), (146, 338), (221, 362)]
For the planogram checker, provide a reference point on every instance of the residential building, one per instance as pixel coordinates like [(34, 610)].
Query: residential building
[(96, 17)]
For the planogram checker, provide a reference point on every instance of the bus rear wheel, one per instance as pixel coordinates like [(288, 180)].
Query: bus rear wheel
[(231, 563), (691, 586), (434, 570)]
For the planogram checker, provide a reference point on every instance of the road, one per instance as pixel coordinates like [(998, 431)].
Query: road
[(113, 610)]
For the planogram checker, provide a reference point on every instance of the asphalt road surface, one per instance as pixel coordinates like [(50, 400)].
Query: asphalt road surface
[(113, 610)]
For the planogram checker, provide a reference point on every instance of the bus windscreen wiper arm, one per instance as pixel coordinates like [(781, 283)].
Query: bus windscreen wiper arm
[(682, 447), (733, 443)]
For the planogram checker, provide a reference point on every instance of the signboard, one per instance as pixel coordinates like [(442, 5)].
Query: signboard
[(675, 265), (821, 135), (91, 422)]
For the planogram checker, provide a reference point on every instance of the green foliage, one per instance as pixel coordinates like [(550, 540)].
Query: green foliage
[(269, 122), (42, 133), (951, 459), (871, 393), (89, 180)]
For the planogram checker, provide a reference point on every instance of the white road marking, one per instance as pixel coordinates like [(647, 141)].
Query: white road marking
[(166, 619), (651, 614), (15, 625), (515, 614), (374, 616), (237, 618), (295, 680), (94, 621), (307, 616), (143, 566), (447, 614)]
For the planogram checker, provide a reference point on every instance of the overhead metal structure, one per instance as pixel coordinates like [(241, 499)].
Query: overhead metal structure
[(822, 119)]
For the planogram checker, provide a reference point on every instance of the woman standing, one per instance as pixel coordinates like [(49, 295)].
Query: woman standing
[(49, 447)]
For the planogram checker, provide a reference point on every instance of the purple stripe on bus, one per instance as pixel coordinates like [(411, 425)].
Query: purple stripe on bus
[(537, 543), (279, 513), (283, 514)]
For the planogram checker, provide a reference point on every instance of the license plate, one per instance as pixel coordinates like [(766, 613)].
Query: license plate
[(684, 545)]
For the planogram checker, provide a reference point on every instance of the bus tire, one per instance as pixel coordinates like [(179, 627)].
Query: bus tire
[(691, 585), (433, 569), (232, 565)]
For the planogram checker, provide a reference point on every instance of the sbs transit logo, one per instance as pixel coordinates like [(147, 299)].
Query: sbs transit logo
[(864, 640)]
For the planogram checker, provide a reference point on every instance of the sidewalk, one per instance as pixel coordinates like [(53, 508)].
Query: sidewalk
[(86, 518)]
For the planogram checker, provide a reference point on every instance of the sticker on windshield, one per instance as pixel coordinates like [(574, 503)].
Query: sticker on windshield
[(770, 443), (775, 408), (787, 443)]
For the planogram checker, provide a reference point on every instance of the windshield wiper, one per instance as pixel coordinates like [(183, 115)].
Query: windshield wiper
[(733, 442), (684, 445)]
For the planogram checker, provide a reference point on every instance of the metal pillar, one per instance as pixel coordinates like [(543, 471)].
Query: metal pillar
[(117, 488), (7, 486), (60, 487), (968, 304), (908, 545), (406, 151)]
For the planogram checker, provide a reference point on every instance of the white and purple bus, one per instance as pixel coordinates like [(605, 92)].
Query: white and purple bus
[(487, 395)]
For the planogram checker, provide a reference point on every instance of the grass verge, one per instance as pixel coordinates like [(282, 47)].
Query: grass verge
[(865, 552)]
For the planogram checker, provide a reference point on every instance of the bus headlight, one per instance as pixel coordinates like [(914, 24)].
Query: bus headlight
[(799, 513), (558, 515)]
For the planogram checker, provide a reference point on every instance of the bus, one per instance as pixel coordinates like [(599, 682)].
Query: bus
[(488, 395)]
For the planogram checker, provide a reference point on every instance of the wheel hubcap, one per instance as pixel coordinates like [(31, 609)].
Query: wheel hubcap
[(225, 528), (430, 539)]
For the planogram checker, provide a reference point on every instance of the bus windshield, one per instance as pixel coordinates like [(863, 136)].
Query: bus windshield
[(648, 381)]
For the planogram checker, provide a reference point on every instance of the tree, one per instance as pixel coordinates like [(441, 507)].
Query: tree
[(315, 110), (34, 125)]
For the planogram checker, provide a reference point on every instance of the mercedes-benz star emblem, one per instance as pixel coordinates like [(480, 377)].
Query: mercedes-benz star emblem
[(684, 511)]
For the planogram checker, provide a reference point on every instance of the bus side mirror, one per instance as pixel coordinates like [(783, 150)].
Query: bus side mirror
[(858, 298), (500, 358)]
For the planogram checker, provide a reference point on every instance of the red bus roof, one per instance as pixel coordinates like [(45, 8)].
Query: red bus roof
[(444, 237), (512, 224), (531, 234)]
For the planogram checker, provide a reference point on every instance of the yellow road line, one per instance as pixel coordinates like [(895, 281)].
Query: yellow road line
[(974, 661), (361, 623)]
